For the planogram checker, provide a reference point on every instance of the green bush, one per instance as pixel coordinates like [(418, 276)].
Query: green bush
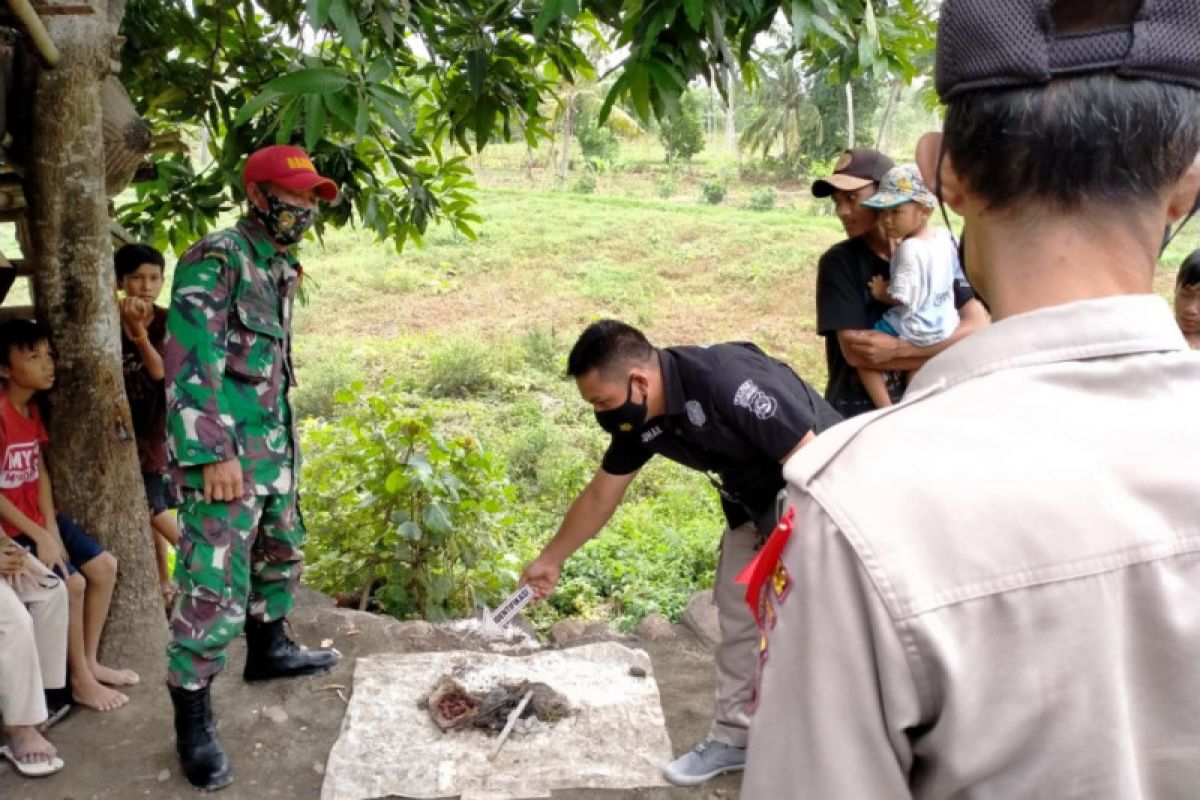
[(682, 133), (543, 350), (713, 191), (586, 184), (313, 395), (461, 367), (399, 514), (666, 187), (657, 551), (598, 143), (763, 200)]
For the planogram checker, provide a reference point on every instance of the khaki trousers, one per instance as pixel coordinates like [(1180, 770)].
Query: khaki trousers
[(33, 645), (737, 654)]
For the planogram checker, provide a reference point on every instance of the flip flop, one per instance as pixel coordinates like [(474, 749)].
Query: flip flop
[(37, 769)]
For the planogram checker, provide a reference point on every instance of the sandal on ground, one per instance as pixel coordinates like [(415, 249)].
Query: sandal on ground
[(34, 769)]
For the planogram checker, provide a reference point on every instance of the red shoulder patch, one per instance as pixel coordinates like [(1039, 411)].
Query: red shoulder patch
[(767, 586)]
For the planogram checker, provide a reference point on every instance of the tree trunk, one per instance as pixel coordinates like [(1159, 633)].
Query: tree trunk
[(730, 108), (889, 113), (568, 130), (849, 116), (92, 456)]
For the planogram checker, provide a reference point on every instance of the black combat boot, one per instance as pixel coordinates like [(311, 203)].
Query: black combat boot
[(271, 654), (200, 752)]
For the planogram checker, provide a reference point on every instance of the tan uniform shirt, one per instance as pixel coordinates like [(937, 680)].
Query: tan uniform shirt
[(995, 586)]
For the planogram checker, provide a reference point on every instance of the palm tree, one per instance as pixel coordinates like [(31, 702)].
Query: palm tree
[(783, 110)]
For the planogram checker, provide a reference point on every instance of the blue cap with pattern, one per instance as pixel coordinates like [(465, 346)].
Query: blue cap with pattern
[(902, 184)]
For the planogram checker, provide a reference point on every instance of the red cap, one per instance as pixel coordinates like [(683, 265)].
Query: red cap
[(290, 167)]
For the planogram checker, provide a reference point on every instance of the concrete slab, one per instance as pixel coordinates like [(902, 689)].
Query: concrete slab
[(617, 739)]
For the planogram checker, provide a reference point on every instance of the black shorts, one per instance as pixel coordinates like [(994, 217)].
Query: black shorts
[(81, 548), (157, 497)]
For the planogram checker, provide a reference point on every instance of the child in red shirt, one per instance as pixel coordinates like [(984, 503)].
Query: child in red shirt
[(28, 515)]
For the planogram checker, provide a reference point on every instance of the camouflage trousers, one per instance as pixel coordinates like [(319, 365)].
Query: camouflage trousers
[(235, 558)]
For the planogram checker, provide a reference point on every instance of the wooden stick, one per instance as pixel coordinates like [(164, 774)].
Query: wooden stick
[(508, 726)]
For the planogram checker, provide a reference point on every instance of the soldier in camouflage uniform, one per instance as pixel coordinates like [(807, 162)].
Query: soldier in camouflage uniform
[(234, 459)]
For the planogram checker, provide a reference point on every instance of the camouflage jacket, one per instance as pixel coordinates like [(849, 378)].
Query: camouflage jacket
[(228, 360)]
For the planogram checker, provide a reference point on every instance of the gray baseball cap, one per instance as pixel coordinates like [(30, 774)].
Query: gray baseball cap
[(999, 44)]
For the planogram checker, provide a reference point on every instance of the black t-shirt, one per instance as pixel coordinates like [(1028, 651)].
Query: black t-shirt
[(844, 302), (147, 397), (732, 412)]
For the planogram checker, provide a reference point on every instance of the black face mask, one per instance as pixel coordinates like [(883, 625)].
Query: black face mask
[(284, 222), (626, 418)]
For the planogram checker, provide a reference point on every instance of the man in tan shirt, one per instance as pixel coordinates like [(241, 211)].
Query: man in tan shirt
[(992, 589)]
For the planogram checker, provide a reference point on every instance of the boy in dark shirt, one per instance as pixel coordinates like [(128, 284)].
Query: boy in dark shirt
[(143, 328)]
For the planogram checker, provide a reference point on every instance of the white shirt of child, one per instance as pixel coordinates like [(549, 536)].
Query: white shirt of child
[(923, 282)]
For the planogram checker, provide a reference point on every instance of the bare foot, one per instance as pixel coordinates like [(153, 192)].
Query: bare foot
[(114, 677), (95, 695), (28, 746)]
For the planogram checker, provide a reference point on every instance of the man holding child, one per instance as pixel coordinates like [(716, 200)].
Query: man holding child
[(232, 450)]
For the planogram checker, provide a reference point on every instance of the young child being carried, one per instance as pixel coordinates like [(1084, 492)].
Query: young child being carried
[(143, 328), (29, 517), (921, 289)]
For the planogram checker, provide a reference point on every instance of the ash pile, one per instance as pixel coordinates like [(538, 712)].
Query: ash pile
[(452, 706)]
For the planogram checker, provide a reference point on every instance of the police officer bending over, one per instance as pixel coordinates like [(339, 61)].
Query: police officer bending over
[(728, 410)]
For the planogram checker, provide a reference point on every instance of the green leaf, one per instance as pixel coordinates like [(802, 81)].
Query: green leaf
[(824, 27), (477, 68), (318, 13), (253, 106), (346, 21), (639, 89), (287, 121), (379, 71), (344, 107), (695, 13), (362, 121), (314, 121), (436, 518), (314, 80), (801, 14), (550, 12), (384, 109), (410, 530), (485, 122), (395, 479)]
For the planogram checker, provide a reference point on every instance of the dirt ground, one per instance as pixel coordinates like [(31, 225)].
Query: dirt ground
[(279, 733)]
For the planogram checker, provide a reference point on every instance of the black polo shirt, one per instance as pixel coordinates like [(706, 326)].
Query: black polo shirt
[(844, 302), (732, 412)]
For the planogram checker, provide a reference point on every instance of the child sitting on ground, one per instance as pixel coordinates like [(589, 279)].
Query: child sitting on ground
[(29, 517), (33, 657), (143, 328), (1187, 300), (921, 289)]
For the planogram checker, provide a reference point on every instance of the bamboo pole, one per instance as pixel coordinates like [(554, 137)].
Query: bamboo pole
[(32, 23)]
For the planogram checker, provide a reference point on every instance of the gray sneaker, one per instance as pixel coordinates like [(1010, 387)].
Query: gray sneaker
[(709, 759)]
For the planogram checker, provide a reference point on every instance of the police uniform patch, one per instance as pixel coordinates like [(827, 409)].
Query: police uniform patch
[(695, 413), (755, 400)]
